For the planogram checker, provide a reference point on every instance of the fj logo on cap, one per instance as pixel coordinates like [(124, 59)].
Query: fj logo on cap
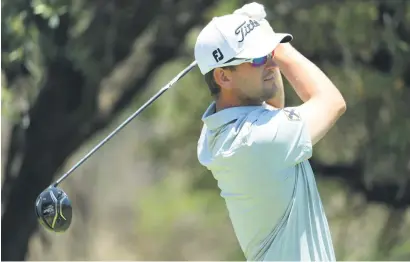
[(218, 55), (245, 28)]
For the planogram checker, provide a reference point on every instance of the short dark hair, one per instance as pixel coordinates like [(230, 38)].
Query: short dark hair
[(212, 85)]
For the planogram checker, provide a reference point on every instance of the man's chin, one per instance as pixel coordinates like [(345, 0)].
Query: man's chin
[(271, 92)]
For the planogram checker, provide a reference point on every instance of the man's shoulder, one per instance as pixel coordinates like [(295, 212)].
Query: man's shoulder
[(226, 141)]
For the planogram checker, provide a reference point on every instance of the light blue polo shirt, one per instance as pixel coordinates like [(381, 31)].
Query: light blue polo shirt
[(259, 157)]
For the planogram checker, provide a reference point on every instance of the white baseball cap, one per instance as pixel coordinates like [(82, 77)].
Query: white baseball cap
[(235, 36)]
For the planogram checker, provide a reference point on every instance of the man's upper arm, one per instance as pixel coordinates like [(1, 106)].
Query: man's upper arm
[(320, 115), (282, 136)]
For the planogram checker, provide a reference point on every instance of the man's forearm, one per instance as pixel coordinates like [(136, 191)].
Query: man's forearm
[(323, 103), (304, 76)]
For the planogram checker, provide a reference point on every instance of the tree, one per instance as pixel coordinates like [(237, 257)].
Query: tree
[(72, 67), (63, 51), (364, 46)]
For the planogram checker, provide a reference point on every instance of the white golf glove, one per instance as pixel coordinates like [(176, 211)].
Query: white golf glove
[(253, 10)]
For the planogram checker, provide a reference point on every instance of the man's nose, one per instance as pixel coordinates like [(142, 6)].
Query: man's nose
[(270, 64)]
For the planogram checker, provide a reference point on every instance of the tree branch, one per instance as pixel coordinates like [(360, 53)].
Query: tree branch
[(153, 50), (393, 195), (61, 119)]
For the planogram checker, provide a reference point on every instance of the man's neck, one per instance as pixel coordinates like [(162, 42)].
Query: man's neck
[(222, 104)]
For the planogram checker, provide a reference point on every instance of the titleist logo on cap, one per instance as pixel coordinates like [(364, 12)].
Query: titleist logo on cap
[(245, 28)]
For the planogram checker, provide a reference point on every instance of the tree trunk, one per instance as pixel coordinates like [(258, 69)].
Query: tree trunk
[(65, 113)]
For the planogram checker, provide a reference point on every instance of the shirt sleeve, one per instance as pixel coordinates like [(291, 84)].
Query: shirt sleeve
[(282, 136)]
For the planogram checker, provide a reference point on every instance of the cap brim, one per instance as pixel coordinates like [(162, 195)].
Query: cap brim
[(265, 46)]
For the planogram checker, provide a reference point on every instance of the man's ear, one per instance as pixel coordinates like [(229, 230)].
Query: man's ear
[(223, 77)]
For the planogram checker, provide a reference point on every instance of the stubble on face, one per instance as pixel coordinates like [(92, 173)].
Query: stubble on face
[(252, 86), (272, 83)]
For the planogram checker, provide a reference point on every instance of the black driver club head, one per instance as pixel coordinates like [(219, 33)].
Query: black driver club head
[(54, 210)]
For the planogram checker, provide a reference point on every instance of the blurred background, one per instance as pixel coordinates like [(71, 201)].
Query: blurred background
[(74, 70)]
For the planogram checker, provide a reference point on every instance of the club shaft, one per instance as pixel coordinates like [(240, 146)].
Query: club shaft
[(136, 113)]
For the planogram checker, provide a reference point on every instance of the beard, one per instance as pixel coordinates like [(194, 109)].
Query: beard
[(256, 98), (259, 94), (270, 92)]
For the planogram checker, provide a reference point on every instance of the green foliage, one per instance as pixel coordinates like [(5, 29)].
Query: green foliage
[(172, 200), (6, 101), (171, 215), (344, 38), (50, 10), (222, 8), (400, 252)]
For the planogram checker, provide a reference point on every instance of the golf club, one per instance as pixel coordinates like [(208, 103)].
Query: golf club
[(53, 207)]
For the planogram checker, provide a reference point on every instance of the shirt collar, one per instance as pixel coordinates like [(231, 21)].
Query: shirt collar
[(213, 119)]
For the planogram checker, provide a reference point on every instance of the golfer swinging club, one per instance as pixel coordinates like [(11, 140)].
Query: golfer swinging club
[(258, 149)]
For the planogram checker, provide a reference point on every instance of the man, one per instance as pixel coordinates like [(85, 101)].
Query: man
[(256, 148)]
